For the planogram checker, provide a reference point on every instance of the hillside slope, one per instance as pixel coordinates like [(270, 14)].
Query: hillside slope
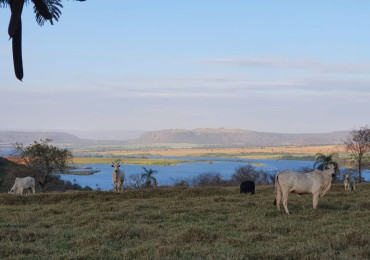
[(9, 138), (29, 137), (231, 137)]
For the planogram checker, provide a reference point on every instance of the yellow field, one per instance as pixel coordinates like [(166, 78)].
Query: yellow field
[(247, 152)]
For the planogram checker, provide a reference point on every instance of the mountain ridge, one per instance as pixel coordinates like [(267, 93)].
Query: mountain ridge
[(200, 136), (239, 137)]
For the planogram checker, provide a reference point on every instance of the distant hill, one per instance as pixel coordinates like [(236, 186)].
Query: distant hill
[(217, 137), (105, 134), (239, 137), (9, 138), (29, 137)]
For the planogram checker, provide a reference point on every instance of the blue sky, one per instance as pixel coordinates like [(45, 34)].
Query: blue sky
[(272, 66)]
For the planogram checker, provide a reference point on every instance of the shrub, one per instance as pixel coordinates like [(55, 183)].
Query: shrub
[(208, 179), (248, 172)]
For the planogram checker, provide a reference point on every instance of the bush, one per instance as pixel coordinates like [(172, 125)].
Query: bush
[(135, 181), (182, 183), (208, 179), (248, 172)]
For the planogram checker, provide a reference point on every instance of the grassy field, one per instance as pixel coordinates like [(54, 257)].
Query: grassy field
[(136, 161), (139, 156), (184, 223), (240, 152)]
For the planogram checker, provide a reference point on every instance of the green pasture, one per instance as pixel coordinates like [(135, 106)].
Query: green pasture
[(184, 223), (126, 160)]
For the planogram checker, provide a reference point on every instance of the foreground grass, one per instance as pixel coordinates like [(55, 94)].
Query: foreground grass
[(190, 223)]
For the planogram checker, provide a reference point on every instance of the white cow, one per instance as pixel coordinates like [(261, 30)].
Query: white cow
[(21, 184), (349, 182), (316, 183), (118, 177)]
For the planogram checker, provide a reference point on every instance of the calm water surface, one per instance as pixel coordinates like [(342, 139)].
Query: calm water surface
[(168, 175)]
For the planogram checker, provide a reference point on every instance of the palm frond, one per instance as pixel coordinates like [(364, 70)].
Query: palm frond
[(4, 3), (323, 160), (47, 10)]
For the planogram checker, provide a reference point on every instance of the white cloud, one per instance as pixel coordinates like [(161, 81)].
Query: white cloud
[(231, 86), (283, 63)]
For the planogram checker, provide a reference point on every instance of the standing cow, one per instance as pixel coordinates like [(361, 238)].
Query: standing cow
[(22, 184), (316, 183), (118, 177), (349, 182), (247, 186)]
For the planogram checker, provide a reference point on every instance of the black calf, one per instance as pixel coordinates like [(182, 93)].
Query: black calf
[(247, 186)]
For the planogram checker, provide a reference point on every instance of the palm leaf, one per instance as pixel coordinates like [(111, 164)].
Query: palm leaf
[(4, 3), (47, 10)]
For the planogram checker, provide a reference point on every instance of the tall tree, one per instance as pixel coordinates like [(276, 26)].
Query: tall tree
[(43, 159), (358, 144), (149, 180), (322, 160), (44, 10)]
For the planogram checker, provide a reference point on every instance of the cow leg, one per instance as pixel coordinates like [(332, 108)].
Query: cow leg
[(285, 202), (315, 200), (33, 190), (278, 199), (278, 196)]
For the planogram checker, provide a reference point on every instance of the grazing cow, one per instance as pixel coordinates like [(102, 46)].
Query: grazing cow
[(316, 183), (349, 182), (22, 184), (246, 187), (118, 177)]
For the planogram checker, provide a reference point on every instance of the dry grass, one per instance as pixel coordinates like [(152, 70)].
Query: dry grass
[(246, 152), (186, 223)]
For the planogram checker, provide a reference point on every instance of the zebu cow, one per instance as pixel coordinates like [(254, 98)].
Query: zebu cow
[(349, 182), (247, 186), (21, 184), (118, 177), (316, 183)]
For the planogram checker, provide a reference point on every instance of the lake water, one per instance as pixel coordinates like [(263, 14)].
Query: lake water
[(168, 175)]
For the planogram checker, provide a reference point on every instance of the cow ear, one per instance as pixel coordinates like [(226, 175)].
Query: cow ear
[(112, 165)]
